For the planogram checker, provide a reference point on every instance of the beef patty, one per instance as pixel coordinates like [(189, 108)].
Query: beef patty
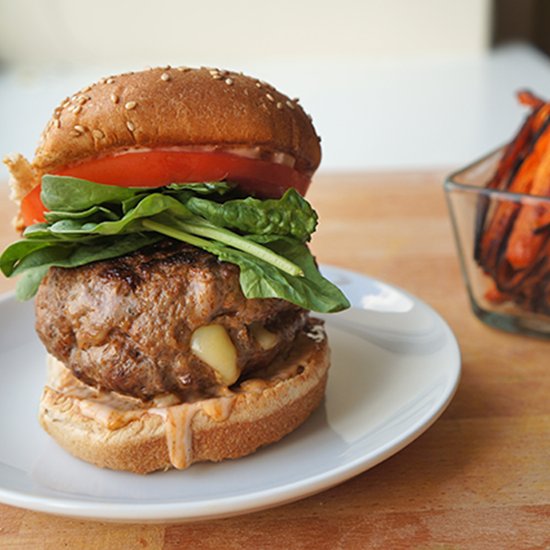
[(125, 324)]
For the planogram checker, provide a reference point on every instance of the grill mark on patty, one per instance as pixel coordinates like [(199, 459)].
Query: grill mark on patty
[(176, 258), (119, 271), (166, 253)]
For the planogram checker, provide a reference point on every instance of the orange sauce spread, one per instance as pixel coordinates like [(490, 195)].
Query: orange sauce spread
[(114, 411)]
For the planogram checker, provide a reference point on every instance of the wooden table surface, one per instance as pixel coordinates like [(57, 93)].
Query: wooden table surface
[(478, 478)]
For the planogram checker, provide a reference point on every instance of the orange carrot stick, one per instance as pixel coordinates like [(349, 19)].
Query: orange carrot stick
[(524, 243)]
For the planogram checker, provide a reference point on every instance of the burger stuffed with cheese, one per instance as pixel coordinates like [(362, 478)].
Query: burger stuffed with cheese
[(165, 235)]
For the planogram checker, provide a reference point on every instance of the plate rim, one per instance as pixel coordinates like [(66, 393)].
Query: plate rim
[(101, 510)]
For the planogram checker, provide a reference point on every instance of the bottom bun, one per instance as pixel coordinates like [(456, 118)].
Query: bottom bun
[(123, 433)]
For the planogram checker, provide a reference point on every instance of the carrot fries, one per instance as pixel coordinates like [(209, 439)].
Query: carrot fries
[(513, 233)]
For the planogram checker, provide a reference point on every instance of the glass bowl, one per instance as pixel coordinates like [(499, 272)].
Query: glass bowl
[(506, 268)]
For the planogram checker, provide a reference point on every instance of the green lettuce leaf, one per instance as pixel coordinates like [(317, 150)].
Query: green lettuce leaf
[(290, 216), (204, 188), (67, 194), (261, 280), (148, 207), (89, 222), (17, 251), (95, 213)]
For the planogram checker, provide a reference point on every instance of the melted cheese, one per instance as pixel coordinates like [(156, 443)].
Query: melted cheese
[(266, 339), (213, 346)]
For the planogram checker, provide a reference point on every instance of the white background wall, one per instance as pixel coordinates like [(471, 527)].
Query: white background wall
[(235, 32)]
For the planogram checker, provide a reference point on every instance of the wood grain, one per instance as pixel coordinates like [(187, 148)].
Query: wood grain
[(479, 478)]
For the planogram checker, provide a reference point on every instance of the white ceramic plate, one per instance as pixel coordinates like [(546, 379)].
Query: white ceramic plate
[(395, 367)]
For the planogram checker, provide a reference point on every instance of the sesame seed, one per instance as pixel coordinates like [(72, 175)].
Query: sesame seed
[(57, 123), (279, 105), (131, 126), (114, 98), (183, 69), (258, 84), (213, 71), (103, 80), (86, 89), (217, 76), (130, 105), (270, 97), (98, 134), (229, 81), (77, 109), (290, 105), (110, 81), (165, 77), (296, 100)]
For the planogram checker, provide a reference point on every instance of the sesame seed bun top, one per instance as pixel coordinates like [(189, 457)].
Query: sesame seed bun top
[(177, 107)]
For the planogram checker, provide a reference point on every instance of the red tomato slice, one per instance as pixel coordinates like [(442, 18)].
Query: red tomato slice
[(32, 209), (157, 168)]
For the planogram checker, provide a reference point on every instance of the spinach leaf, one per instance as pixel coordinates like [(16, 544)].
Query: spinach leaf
[(205, 188), (148, 207), (42, 232), (291, 215), (68, 194), (89, 222), (93, 213), (18, 250), (27, 285), (73, 195), (193, 232), (312, 291)]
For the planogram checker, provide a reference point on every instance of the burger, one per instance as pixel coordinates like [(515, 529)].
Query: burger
[(165, 236)]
